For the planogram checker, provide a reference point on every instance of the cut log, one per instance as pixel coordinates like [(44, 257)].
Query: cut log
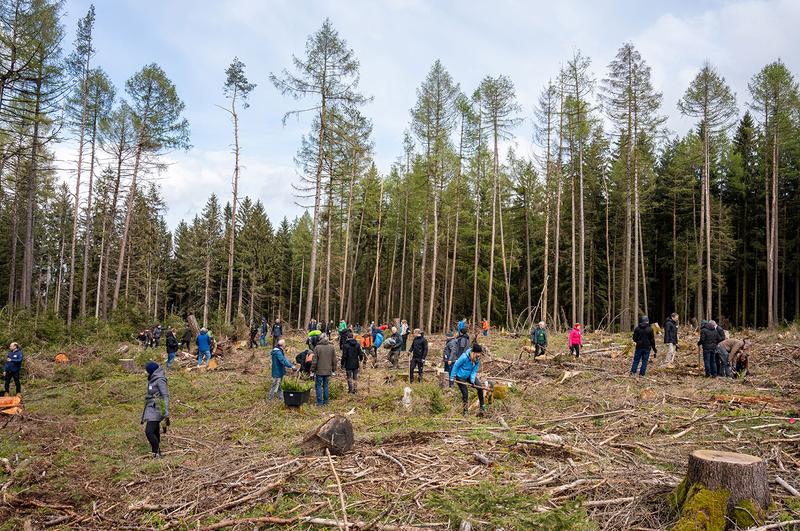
[(128, 364), (122, 349), (722, 485), (335, 434), (192, 320)]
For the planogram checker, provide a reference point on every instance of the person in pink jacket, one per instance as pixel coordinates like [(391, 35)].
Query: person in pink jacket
[(575, 340)]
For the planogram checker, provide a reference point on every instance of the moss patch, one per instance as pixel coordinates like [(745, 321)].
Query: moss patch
[(702, 508), (748, 514)]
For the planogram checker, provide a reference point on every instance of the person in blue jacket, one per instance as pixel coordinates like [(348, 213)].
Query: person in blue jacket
[(279, 365), (462, 324), (465, 371), (203, 347), (12, 368)]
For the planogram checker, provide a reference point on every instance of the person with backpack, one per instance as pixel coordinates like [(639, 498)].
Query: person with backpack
[(419, 352), (539, 339), (262, 333), (279, 366), (203, 347), (645, 340), (313, 338), (351, 361), (172, 347), (395, 346), (156, 406), (277, 332), (323, 366), (12, 368), (671, 338), (465, 371), (458, 346), (575, 340), (368, 349)]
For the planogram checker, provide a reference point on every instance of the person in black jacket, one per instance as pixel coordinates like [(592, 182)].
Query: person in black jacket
[(351, 360), (186, 340), (419, 351), (172, 347), (645, 340), (671, 338), (709, 339), (277, 332)]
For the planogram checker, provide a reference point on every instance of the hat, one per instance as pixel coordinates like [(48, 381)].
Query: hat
[(644, 319), (449, 333), (151, 367)]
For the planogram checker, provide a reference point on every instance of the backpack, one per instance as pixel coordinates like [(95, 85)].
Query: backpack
[(378, 340), (390, 343)]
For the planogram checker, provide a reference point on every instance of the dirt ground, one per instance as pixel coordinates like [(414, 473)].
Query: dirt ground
[(576, 444)]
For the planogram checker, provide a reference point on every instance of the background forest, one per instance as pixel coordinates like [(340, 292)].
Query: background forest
[(614, 216)]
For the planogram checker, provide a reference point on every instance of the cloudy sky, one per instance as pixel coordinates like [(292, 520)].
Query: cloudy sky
[(396, 42)]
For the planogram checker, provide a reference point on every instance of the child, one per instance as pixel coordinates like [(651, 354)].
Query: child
[(575, 340)]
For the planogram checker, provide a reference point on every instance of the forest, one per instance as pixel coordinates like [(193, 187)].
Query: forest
[(614, 217)]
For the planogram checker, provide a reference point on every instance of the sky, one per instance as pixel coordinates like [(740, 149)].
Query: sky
[(396, 42)]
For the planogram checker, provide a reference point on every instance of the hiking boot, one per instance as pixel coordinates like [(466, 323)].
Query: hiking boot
[(157, 455)]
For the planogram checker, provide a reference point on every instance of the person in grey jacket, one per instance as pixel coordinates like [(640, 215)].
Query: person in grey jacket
[(156, 406), (323, 366)]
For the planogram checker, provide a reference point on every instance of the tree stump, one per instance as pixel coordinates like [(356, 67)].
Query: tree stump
[(128, 364), (335, 434), (722, 484)]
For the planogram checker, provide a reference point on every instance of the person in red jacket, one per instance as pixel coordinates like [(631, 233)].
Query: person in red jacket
[(575, 340)]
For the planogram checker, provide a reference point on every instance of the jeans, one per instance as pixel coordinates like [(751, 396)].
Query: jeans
[(352, 380), (462, 386), (276, 388), (709, 362), (643, 355), (262, 340), (417, 365), (722, 362), (485, 333), (204, 356), (170, 359), (576, 349), (9, 376), (322, 389), (153, 433)]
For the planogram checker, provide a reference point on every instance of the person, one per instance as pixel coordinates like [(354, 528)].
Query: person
[(304, 361), (449, 345), (277, 332), (172, 346), (671, 338), (262, 333), (575, 340), (279, 365), (373, 329), (404, 332), (156, 406), (12, 368), (147, 340), (465, 371), (313, 338), (740, 360), (186, 340), (142, 337), (419, 351), (462, 325), (709, 339), (377, 341), (539, 339), (342, 326), (726, 352), (485, 327), (459, 346), (212, 343), (395, 347), (157, 336), (203, 347), (351, 361), (358, 329), (253, 332), (322, 366), (343, 335), (645, 340)]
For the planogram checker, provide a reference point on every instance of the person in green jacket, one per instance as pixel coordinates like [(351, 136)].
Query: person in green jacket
[(539, 339)]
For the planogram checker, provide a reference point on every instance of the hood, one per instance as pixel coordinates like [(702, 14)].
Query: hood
[(352, 341), (323, 341), (157, 374), (644, 324), (710, 326)]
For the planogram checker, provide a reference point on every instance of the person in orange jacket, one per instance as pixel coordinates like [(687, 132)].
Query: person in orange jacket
[(575, 340), (485, 327)]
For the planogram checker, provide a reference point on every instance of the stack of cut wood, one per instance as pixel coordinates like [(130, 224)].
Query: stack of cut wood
[(10, 405), (225, 347)]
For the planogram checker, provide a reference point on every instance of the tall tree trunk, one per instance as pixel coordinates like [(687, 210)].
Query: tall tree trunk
[(312, 268), (87, 241), (234, 200)]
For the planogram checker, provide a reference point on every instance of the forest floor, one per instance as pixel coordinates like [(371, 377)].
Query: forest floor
[(77, 457)]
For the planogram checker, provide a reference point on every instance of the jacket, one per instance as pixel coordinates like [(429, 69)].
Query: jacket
[(313, 338), (351, 354), (187, 335), (279, 363), (157, 397), (324, 362), (203, 342), (172, 342), (277, 330), (670, 331), (14, 361), (398, 342), (419, 348), (539, 336), (378, 339), (575, 337), (464, 369), (157, 332), (644, 337), (731, 346), (460, 346), (709, 337)]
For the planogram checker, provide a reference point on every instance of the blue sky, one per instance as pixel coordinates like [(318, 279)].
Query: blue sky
[(396, 42)]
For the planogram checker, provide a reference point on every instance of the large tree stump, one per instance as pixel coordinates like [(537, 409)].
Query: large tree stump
[(335, 434), (718, 485), (192, 320), (128, 364)]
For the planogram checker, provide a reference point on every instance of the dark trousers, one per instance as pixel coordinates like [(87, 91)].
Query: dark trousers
[(464, 388), (9, 376), (252, 343), (576, 349), (710, 362), (275, 340), (322, 389), (185, 344), (405, 340), (415, 365), (722, 362), (153, 433), (538, 350), (641, 355)]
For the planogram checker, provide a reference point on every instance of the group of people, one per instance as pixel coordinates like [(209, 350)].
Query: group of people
[(276, 330)]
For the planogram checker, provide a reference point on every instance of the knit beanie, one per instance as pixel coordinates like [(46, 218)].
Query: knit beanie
[(151, 367)]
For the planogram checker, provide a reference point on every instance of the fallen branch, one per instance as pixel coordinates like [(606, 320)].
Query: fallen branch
[(338, 486), (393, 460), (779, 525), (791, 490), (603, 503)]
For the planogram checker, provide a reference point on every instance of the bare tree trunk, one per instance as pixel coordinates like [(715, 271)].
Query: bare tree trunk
[(315, 227), (495, 176), (376, 277), (557, 239), (402, 309), (422, 273), (327, 297), (87, 241), (506, 277), (234, 201), (573, 286), (300, 324), (343, 285), (432, 303), (449, 316)]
